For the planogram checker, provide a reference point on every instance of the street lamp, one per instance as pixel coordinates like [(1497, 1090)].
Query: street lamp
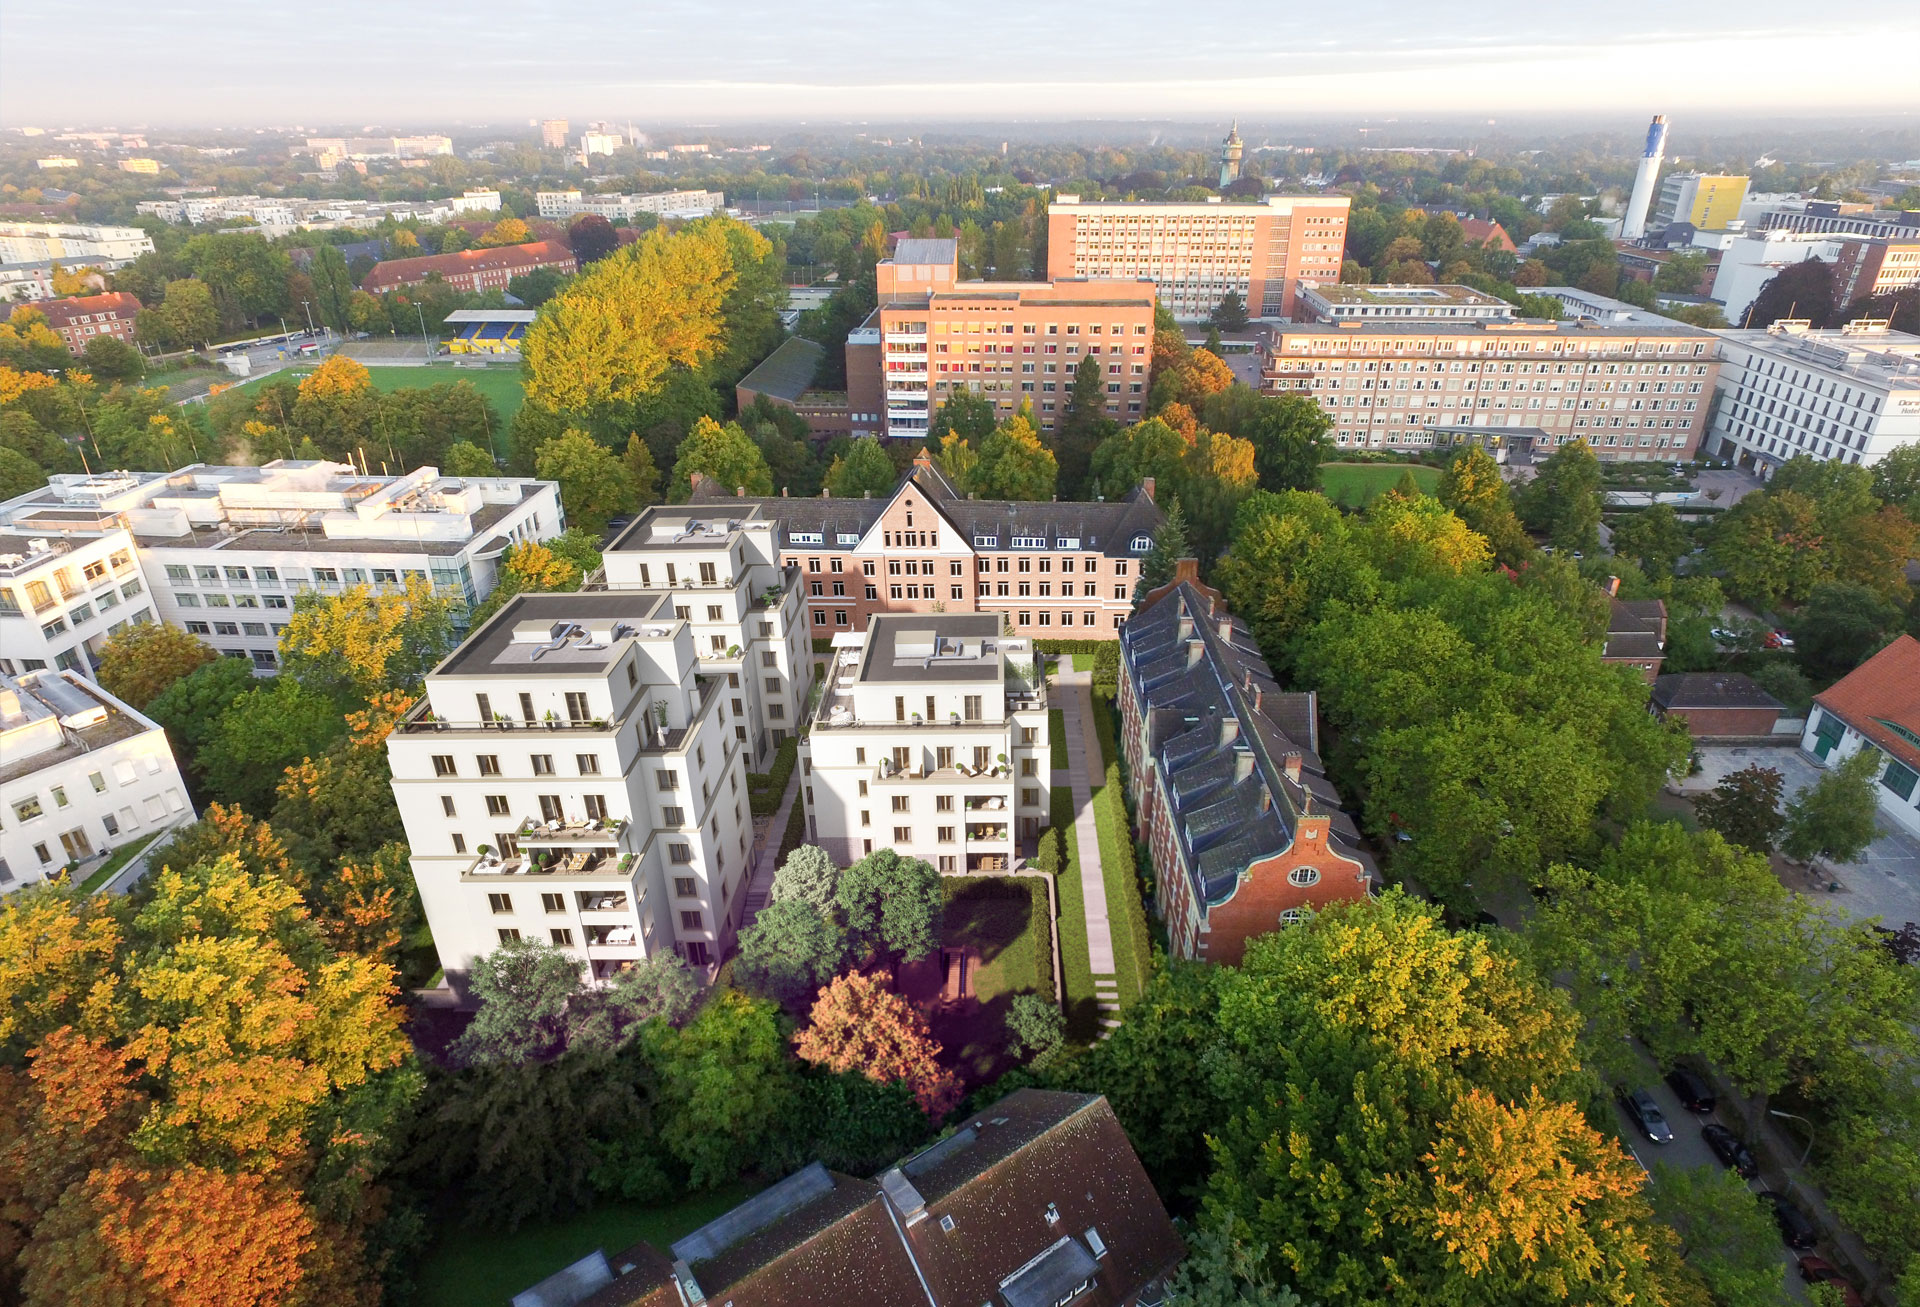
[(308, 306), (1803, 1121), (423, 327)]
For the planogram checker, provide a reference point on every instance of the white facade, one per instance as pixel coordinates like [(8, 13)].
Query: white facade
[(1342, 303), (224, 550), (625, 208), (81, 773), (1749, 263), (29, 242), (592, 143), (573, 776), (62, 597), (1830, 740), (746, 613), (1851, 394), (930, 739), (476, 202)]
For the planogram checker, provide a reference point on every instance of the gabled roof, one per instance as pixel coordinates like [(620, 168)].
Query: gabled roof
[(61, 313), (1881, 699), (1220, 731), (1636, 628), (1686, 690), (395, 272)]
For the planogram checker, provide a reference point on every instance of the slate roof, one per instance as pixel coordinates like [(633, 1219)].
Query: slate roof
[(1220, 730), (787, 373), (1881, 699), (1687, 690), (1636, 628), (1108, 527), (923, 249)]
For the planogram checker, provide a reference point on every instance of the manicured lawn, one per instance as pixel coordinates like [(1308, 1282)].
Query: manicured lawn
[(1003, 917), (483, 1268), (121, 857), (1083, 662), (1076, 971), (1057, 737), (1362, 482)]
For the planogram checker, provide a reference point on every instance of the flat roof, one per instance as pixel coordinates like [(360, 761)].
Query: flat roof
[(503, 646), (680, 526), (1395, 293), (1356, 328), (935, 646)]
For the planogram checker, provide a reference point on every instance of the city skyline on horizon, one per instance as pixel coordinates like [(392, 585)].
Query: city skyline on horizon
[(195, 65)]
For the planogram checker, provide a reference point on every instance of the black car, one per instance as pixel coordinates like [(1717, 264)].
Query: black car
[(1795, 1228), (1647, 1115), (1727, 1147), (1695, 1094)]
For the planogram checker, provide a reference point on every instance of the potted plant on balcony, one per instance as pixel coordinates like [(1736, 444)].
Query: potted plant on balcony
[(484, 850), (916, 719), (553, 720), (733, 651), (500, 720)]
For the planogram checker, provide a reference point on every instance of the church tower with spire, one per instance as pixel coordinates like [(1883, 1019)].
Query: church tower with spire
[(1230, 151)]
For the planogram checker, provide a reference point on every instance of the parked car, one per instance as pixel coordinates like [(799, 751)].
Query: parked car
[(1795, 1227), (1727, 1147), (1647, 1115), (1726, 635), (1818, 1270), (1779, 640), (1696, 1095)]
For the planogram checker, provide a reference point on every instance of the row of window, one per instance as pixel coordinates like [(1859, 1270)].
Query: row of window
[(1089, 617)]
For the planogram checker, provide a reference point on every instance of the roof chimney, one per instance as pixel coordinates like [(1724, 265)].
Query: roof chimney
[(1242, 764), (1229, 728), (783, 492), (739, 492), (1613, 585), (1186, 569), (1196, 650), (1146, 484), (689, 1287), (1226, 629), (1293, 767), (696, 480)]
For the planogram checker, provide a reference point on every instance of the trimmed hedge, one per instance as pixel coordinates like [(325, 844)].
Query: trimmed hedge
[(1076, 969), (1126, 913), (1057, 737), (1076, 646)]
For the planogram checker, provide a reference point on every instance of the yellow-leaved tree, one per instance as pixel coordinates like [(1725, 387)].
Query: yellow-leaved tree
[(613, 334), (360, 642), (338, 376)]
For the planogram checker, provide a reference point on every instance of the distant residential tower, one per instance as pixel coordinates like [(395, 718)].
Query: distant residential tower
[(1230, 152)]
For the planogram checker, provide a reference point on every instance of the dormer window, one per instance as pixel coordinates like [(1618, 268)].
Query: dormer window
[(1141, 544)]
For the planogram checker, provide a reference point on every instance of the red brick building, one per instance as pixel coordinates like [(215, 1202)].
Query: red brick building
[(473, 270), (78, 320), (1717, 705), (1054, 570), (1245, 830), (1636, 635), (1876, 266), (785, 377)]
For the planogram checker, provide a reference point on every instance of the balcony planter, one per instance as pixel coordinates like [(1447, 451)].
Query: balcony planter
[(733, 651), (553, 720), (484, 849), (599, 723)]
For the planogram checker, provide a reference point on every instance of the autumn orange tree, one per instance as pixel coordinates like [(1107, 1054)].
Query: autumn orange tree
[(857, 1024), (195, 1091)]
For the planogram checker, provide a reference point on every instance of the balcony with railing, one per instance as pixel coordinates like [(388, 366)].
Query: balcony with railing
[(986, 833), (422, 720), (602, 900), (578, 834), (623, 936), (549, 862)]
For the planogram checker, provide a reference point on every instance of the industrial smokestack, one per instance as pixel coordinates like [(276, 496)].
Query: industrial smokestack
[(1635, 225)]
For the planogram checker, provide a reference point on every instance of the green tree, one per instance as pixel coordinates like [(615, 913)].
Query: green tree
[(1654, 538), (1132, 455), (725, 455), (333, 288), (595, 486), (1896, 480), (1013, 464), (186, 316), (1289, 434), (1230, 314), (1082, 425), (1170, 545), (864, 471), (659, 988), (1474, 489), (1834, 817), (891, 906), (1841, 625), (1786, 683), (791, 949), (192, 707), (726, 1085), (247, 276), (261, 734), (464, 459), (524, 988), (1221, 1271), (1745, 807), (965, 412), (644, 471), (109, 358), (1563, 500), (1035, 1025), (535, 287), (808, 875), (18, 474), (1727, 1237), (140, 663)]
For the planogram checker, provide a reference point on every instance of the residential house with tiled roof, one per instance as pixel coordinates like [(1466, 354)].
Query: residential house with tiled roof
[(471, 270), (1636, 635), (1229, 791), (1876, 706), (1060, 569), (79, 319), (1036, 1201)]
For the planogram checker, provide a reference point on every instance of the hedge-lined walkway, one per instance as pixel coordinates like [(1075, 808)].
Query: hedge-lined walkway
[(1072, 691)]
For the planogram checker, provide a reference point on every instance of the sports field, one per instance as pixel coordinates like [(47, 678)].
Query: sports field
[(1358, 483)]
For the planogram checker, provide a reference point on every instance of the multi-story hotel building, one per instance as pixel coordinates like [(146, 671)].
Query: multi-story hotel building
[(1055, 570), (745, 610), (1195, 253), (1229, 793), (81, 773), (930, 739), (1875, 267), (1009, 341), (572, 775), (1633, 391), (1851, 394), (223, 550)]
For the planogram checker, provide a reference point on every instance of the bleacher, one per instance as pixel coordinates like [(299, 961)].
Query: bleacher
[(488, 331)]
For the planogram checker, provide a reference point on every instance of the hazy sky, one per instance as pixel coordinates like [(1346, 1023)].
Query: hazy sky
[(235, 62)]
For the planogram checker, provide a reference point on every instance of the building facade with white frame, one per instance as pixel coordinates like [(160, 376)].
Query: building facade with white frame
[(1851, 394)]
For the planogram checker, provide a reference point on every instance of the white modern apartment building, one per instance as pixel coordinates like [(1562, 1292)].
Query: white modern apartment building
[(930, 739), (223, 550), (62, 596), (746, 612), (572, 775), (29, 242), (1750, 261), (81, 773), (476, 201), (1851, 394), (625, 208)]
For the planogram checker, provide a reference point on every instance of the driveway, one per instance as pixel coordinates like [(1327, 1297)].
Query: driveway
[(1734, 484), (1884, 883)]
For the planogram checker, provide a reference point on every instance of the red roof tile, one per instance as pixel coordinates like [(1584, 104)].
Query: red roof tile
[(1881, 699), (61, 313), (406, 272)]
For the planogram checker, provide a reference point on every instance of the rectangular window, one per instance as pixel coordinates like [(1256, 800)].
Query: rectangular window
[(588, 763), (596, 806), (443, 765), (553, 902), (692, 921), (496, 805), (946, 834), (681, 853), (903, 834), (489, 764), (561, 936), (672, 816), (508, 935), (542, 764), (667, 780), (500, 902), (686, 887)]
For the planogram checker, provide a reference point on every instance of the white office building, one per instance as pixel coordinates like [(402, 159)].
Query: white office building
[(930, 739), (747, 613), (625, 208), (63, 596), (1851, 394), (573, 776), (1748, 263), (81, 773), (30, 242), (224, 550), (476, 202)]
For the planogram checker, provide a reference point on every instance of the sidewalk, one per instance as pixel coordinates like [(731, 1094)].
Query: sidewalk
[(760, 884), (1073, 693)]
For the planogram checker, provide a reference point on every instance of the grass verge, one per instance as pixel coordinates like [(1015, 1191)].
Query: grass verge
[(485, 1268), (1126, 915), (1076, 971), (1057, 737), (1363, 482), (121, 857)]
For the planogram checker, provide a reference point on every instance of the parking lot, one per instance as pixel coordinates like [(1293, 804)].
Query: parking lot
[(1884, 883)]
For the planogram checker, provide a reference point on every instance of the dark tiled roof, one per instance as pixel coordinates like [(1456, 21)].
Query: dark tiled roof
[(643, 1277), (787, 373), (1685, 690), (1221, 757), (1881, 699), (1636, 628)]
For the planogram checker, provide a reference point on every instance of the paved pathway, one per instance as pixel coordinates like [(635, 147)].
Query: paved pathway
[(760, 885), (1074, 693)]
